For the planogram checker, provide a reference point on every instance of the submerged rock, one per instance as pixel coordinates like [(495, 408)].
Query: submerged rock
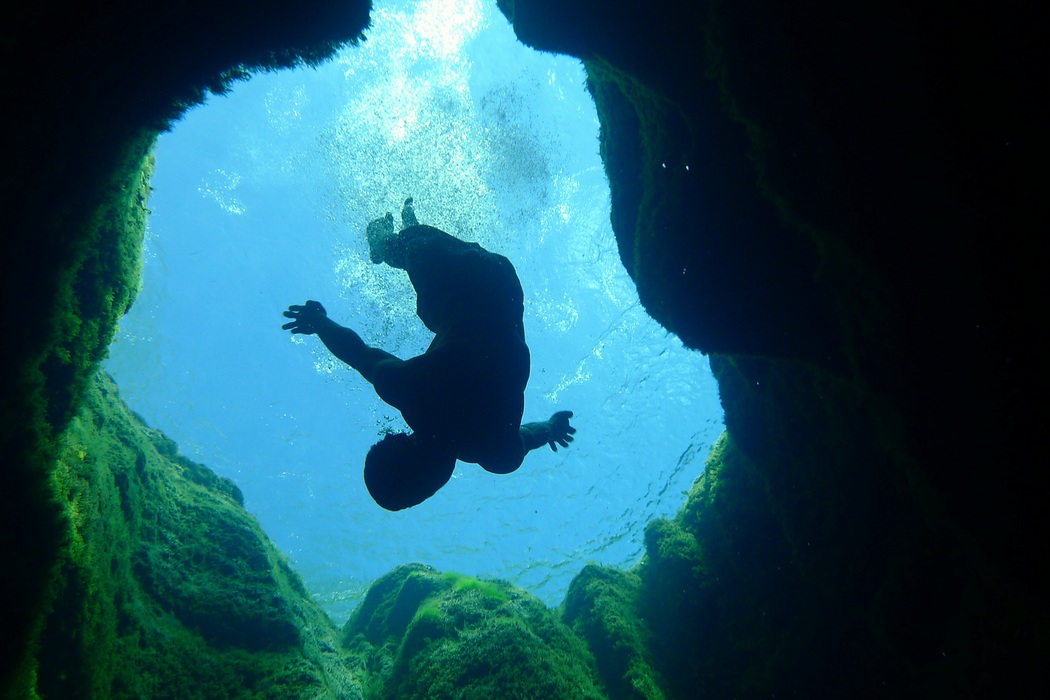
[(169, 587), (602, 607), (430, 635)]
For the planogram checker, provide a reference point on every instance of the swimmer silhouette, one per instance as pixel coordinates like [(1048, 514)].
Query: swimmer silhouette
[(463, 397)]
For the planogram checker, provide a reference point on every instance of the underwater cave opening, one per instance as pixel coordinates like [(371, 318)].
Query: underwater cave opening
[(260, 200)]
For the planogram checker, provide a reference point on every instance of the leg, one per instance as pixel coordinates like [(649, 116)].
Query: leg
[(408, 215)]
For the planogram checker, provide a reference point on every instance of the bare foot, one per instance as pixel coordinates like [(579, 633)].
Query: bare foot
[(408, 215)]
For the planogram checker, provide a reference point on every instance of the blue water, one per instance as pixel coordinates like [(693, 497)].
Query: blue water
[(261, 199)]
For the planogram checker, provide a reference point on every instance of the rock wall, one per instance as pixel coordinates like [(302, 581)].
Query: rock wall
[(167, 587), (93, 87), (806, 191)]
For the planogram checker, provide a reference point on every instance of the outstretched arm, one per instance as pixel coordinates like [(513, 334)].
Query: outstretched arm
[(312, 319), (554, 431)]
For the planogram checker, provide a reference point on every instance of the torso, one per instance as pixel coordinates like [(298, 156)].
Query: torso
[(470, 383)]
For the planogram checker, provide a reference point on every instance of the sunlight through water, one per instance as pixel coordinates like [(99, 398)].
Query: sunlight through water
[(261, 200)]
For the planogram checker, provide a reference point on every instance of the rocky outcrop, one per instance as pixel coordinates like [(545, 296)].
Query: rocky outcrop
[(602, 607), (429, 635), (168, 587), (806, 191), (98, 84)]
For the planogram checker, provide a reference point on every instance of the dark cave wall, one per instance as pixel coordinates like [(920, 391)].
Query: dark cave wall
[(94, 85), (95, 283), (868, 204), (854, 241)]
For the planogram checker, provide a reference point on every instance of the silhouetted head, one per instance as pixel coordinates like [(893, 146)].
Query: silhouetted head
[(402, 470)]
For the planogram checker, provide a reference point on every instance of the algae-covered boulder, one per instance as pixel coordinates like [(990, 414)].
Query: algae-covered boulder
[(433, 635), (602, 607), (169, 588)]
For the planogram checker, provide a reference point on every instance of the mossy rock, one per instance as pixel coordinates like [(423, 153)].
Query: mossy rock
[(168, 587), (430, 635), (602, 607)]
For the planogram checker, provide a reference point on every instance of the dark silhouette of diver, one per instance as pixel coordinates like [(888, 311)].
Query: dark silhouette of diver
[(463, 397)]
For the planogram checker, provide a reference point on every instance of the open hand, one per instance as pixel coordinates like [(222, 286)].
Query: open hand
[(561, 432), (305, 318)]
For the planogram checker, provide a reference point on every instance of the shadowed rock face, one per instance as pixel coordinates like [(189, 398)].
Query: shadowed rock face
[(806, 192), (94, 85), (838, 203)]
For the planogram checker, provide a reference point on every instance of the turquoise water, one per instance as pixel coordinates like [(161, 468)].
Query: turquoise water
[(261, 199)]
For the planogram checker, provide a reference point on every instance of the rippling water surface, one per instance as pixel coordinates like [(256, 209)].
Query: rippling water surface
[(261, 199)]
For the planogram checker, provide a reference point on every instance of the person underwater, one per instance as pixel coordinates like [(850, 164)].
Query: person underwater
[(464, 397)]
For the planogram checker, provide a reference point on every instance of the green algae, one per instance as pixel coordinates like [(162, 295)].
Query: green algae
[(601, 606), (426, 634), (96, 285), (168, 587), (75, 191), (487, 589)]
